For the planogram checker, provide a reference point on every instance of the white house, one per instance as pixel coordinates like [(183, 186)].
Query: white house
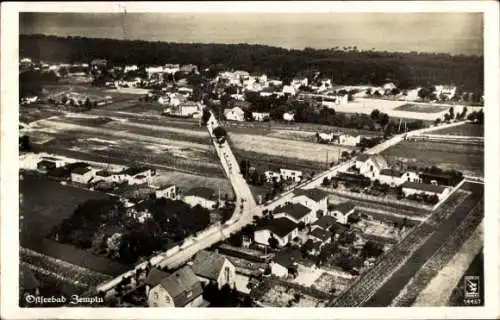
[(135, 175), (82, 175), (200, 196), (284, 261), (410, 188), (297, 82), (110, 177), (234, 114), (341, 211), (130, 68), (315, 199), (281, 229), (289, 90), (447, 91), (296, 212), (179, 289), (348, 140), (333, 101), (212, 267), (389, 86), (275, 82), (370, 165), (185, 109), (169, 192), (294, 175), (260, 116), (397, 178), (270, 175), (289, 116)]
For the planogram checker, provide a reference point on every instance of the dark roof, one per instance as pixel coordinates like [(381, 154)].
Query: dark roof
[(391, 173), (280, 226), (362, 157), (154, 277), (435, 175), (46, 163), (103, 173), (424, 187), (325, 222), (208, 264), (134, 170), (343, 207), (296, 210), (27, 279), (287, 257), (80, 170), (314, 194), (206, 193), (183, 286), (320, 234)]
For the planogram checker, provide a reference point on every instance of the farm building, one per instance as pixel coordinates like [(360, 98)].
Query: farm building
[(396, 177), (293, 175), (260, 116), (341, 211), (179, 289), (295, 212), (370, 165), (410, 188), (169, 192), (315, 199), (212, 267), (281, 229), (82, 175), (234, 114), (204, 197)]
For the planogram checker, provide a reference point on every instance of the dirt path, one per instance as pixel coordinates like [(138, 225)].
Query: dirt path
[(438, 291)]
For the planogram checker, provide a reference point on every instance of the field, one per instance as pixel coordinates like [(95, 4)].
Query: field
[(468, 129), (45, 203), (422, 108), (186, 181), (466, 158), (86, 90)]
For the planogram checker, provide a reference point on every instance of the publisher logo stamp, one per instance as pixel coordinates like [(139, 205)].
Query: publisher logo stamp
[(471, 287)]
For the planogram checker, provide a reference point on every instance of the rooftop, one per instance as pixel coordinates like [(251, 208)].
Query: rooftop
[(325, 222), (201, 192), (314, 194), (183, 286), (81, 170), (391, 173), (134, 170), (296, 210), (320, 234), (280, 226), (208, 264), (424, 187), (287, 257), (344, 207)]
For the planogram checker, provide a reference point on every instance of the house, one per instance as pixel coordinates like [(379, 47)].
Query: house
[(261, 116), (138, 175), (130, 68), (82, 174), (295, 212), (341, 211), (410, 188), (204, 197), (179, 289), (332, 101), (110, 177), (389, 86), (289, 116), (315, 199), (58, 162), (169, 192), (348, 140), (289, 90), (324, 223), (234, 114), (271, 175), (370, 165), (294, 175), (281, 229), (46, 165), (185, 109), (396, 177), (298, 82), (446, 91), (318, 234), (212, 267), (189, 68), (285, 262)]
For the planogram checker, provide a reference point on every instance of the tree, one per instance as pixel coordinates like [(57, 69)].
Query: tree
[(372, 249), (325, 182), (64, 99), (273, 242), (437, 121), (447, 117), (205, 116), (375, 114), (384, 119), (24, 143), (452, 113)]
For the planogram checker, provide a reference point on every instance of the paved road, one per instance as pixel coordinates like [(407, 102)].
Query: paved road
[(391, 288)]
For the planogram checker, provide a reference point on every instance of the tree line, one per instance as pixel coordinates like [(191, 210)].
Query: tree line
[(407, 70)]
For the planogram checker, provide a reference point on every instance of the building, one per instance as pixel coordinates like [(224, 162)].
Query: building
[(130, 68), (281, 229), (138, 175), (348, 140), (169, 192), (396, 177), (99, 63), (289, 90), (324, 223), (298, 82), (204, 197), (284, 263), (212, 267), (271, 175), (370, 165), (315, 199), (110, 177), (189, 68), (446, 91), (179, 289), (296, 212), (341, 211), (234, 114), (318, 234), (185, 109), (45, 166), (410, 188), (261, 116), (289, 116), (82, 175), (294, 175), (332, 101), (389, 86)]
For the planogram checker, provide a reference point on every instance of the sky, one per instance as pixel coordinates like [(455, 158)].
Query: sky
[(455, 33)]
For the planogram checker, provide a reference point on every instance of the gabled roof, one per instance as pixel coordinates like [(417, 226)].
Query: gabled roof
[(424, 187), (280, 226), (320, 234), (155, 276), (200, 192), (81, 170), (344, 207), (208, 264), (287, 257), (296, 210), (325, 222), (362, 157), (183, 286), (134, 170), (377, 159), (314, 194), (391, 173)]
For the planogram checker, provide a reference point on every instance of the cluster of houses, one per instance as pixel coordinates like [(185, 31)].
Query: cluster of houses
[(375, 167), (283, 174)]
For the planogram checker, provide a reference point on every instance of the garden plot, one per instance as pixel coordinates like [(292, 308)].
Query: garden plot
[(466, 129), (281, 296), (335, 283), (378, 229), (306, 276)]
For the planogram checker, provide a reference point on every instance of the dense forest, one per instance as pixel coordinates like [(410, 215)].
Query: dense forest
[(343, 66)]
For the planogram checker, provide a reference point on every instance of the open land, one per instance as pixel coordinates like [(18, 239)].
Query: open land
[(422, 108), (466, 158), (467, 129)]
